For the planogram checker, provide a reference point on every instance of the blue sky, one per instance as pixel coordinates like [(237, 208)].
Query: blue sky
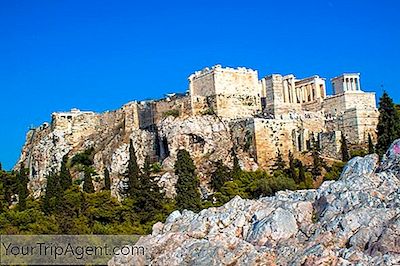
[(98, 55)]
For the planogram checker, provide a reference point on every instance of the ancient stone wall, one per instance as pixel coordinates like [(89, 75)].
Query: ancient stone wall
[(75, 124), (354, 113), (271, 135), (180, 104), (230, 93), (330, 143)]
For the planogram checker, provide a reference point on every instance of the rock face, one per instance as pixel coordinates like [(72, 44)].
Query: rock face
[(355, 220), (207, 138)]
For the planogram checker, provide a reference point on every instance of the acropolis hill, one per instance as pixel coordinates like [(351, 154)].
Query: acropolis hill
[(224, 108)]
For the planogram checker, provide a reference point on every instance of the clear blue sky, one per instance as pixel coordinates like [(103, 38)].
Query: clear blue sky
[(98, 55)]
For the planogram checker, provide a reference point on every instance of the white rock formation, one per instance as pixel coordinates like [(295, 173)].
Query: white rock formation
[(353, 221)]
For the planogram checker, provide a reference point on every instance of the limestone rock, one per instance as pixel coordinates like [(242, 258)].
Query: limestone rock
[(353, 221)]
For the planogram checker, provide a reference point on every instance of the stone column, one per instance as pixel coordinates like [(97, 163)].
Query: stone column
[(358, 84), (352, 84), (345, 85)]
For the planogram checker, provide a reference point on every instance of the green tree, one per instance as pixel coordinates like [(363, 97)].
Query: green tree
[(236, 170), (388, 125), (54, 192), (292, 168), (302, 173), (1, 167), (371, 146), (219, 176), (187, 186), (149, 199), (107, 181), (65, 175), (22, 178), (344, 149), (280, 164), (132, 185), (317, 163), (88, 182)]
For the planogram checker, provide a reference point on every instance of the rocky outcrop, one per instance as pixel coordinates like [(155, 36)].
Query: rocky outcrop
[(355, 220), (207, 138)]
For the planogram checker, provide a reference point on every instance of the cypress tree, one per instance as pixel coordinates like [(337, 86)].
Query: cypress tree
[(344, 149), (317, 163), (187, 186), (236, 170), (1, 167), (388, 124), (22, 187), (107, 181), (219, 176), (132, 185), (52, 198), (292, 168), (302, 173), (279, 162), (88, 182), (371, 147), (149, 199), (65, 175)]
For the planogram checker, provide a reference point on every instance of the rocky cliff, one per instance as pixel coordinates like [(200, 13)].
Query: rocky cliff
[(355, 220), (206, 137)]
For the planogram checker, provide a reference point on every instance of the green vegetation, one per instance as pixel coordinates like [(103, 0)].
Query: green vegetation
[(371, 147), (344, 149), (132, 183), (209, 111), (84, 158), (74, 208), (388, 125), (107, 181), (173, 112), (187, 186)]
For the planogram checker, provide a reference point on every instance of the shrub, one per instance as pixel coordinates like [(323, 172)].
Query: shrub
[(173, 112)]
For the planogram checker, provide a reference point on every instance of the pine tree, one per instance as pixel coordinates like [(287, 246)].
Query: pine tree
[(371, 147), (1, 167), (280, 164), (88, 182), (22, 187), (187, 186), (107, 181), (219, 176), (388, 125), (132, 185), (344, 149), (149, 199), (65, 175), (292, 168)]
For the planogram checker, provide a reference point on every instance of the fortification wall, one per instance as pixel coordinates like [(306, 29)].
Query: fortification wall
[(230, 93), (75, 124), (271, 135), (330, 143), (182, 105)]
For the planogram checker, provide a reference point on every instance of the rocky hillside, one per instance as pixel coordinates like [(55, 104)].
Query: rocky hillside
[(206, 137), (355, 220)]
